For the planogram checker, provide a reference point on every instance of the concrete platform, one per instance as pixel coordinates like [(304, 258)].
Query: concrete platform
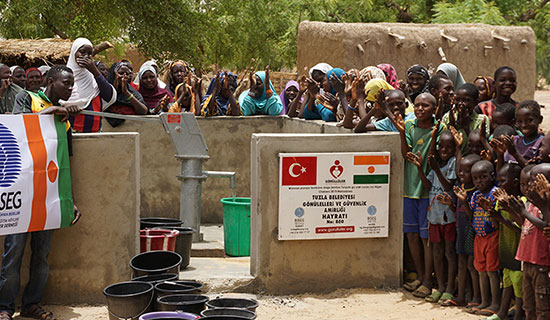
[(211, 244), (221, 275)]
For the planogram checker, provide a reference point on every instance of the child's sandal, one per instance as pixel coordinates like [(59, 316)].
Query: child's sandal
[(434, 297)]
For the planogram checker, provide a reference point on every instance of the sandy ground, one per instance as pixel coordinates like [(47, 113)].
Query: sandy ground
[(341, 304), (350, 304)]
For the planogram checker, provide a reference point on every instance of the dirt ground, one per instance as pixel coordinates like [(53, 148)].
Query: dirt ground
[(341, 304)]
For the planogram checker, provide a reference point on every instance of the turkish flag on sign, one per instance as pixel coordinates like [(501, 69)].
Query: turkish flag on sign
[(299, 171)]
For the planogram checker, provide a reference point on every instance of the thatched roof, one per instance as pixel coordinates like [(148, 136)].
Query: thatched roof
[(31, 52)]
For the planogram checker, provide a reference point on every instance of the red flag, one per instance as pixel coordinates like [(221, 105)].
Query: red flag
[(299, 171)]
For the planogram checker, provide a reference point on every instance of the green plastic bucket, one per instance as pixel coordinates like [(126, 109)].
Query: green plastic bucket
[(236, 226)]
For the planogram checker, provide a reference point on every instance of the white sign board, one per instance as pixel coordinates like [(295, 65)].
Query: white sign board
[(333, 195)]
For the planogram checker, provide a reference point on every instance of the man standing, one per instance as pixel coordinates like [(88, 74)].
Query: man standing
[(8, 90), (59, 86)]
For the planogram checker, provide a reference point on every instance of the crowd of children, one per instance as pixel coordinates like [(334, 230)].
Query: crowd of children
[(476, 195)]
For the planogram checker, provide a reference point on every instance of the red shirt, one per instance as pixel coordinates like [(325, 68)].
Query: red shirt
[(533, 247)]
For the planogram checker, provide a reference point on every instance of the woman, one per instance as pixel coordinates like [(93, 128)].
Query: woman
[(91, 91), (129, 100), (219, 99), (326, 106), (18, 76), (153, 64), (155, 98), (319, 71), (418, 79), (34, 79), (258, 99), (177, 72), (390, 73), (292, 88), (451, 71)]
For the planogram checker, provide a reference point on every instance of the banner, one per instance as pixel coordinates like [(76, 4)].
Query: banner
[(333, 195), (35, 178)]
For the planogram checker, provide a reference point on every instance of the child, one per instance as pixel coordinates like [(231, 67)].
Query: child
[(508, 239), (521, 149), (533, 249), (504, 114), (463, 117), (416, 137), (475, 143), (486, 87), (441, 87), (395, 101), (486, 238), (505, 86), (442, 227)]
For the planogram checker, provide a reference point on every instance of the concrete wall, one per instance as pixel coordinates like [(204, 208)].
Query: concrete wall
[(286, 267), (94, 253), (228, 141), (357, 45)]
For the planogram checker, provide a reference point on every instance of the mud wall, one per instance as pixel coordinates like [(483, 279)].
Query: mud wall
[(476, 49)]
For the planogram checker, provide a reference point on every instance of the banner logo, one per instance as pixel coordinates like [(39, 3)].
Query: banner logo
[(10, 158)]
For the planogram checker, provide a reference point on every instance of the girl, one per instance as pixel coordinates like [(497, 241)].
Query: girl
[(391, 74), (91, 91), (292, 88), (486, 87), (177, 72), (220, 97), (322, 105), (418, 79), (319, 72), (451, 71), (505, 86), (152, 94), (261, 97)]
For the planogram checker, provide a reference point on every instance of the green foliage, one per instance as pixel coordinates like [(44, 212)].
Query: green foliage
[(468, 11)]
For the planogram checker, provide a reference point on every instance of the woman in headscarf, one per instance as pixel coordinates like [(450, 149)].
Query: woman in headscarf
[(186, 99), (219, 99), (155, 98), (153, 64), (418, 79), (261, 98), (323, 106), (291, 92), (18, 76), (34, 79), (177, 72), (129, 100), (390, 73), (44, 72), (451, 71), (319, 71), (91, 91), (486, 87)]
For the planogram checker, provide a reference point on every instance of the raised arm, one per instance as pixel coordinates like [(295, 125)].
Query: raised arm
[(416, 159)]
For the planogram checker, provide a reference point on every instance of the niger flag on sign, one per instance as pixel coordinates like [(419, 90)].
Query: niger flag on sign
[(299, 171), (35, 181)]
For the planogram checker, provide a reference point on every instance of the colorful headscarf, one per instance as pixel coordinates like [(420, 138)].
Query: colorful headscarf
[(489, 84), (418, 69), (32, 69), (323, 67), (260, 101), (338, 73), (372, 72), (221, 101), (453, 73), (153, 64), (154, 95), (391, 74), (284, 99), (373, 86)]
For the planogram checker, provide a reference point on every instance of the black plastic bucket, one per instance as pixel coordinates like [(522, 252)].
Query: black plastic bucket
[(169, 288), (192, 283), (158, 222), (244, 313), (157, 278), (183, 243), (193, 303), (241, 303), (128, 300), (155, 262)]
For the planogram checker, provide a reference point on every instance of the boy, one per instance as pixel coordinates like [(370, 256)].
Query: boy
[(59, 87), (441, 87), (416, 137), (508, 239), (396, 103), (486, 238)]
